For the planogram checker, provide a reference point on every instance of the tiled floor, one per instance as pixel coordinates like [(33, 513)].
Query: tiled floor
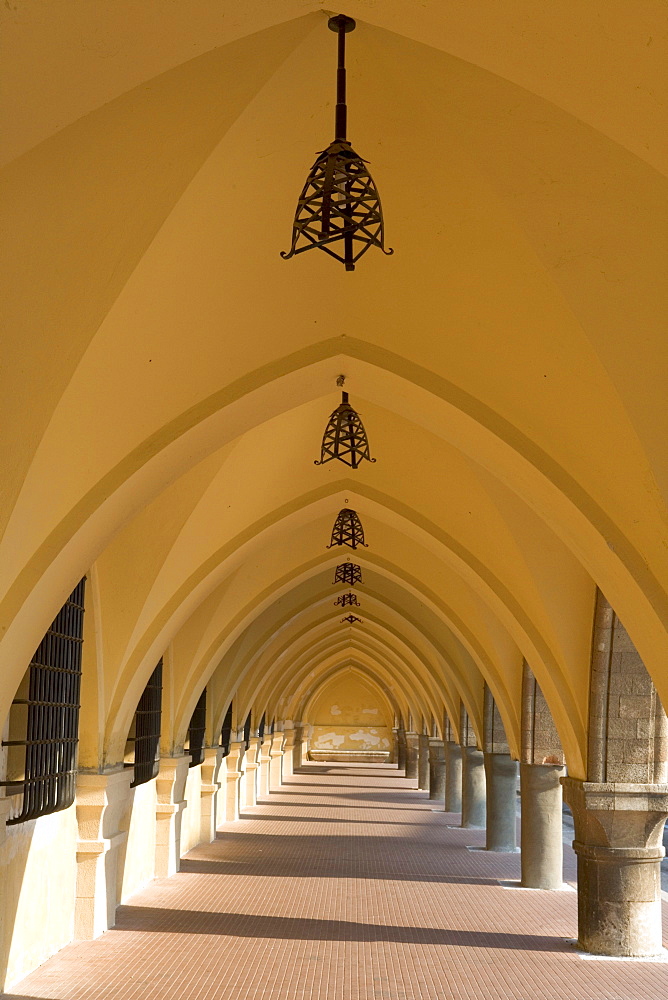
[(345, 885)]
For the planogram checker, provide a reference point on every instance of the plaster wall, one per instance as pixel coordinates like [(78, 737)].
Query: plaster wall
[(349, 715), (191, 818), (137, 863), (37, 892)]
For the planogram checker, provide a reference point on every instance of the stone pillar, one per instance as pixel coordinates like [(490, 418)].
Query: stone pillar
[(500, 780), (412, 754), (473, 788), (100, 802), (501, 793), (436, 769), (170, 786), (297, 748), (251, 769), (542, 826), (618, 842), (288, 751), (233, 775), (453, 777), (210, 791), (620, 811), (276, 765), (541, 770), (401, 749), (265, 763), (423, 762)]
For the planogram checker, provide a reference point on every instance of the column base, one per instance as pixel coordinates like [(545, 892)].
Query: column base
[(618, 831)]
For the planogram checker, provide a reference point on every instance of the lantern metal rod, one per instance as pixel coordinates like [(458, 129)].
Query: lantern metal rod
[(341, 24)]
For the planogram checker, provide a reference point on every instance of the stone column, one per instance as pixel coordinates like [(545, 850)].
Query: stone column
[(541, 770), (251, 772), (412, 753), (170, 786), (500, 780), (233, 775), (453, 777), (501, 792), (473, 788), (541, 826), (210, 792), (618, 842), (265, 763), (619, 812), (100, 802), (436, 769), (276, 765), (401, 749), (423, 762)]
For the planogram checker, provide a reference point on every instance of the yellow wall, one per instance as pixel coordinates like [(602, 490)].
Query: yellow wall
[(348, 714), (137, 860), (37, 891), (191, 822)]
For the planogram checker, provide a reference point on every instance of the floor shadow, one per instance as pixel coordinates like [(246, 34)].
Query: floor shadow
[(150, 919), (321, 819), (340, 805), (324, 868)]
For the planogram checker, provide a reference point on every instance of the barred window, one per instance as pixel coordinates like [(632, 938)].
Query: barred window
[(226, 732), (196, 731), (144, 737), (247, 730), (44, 719)]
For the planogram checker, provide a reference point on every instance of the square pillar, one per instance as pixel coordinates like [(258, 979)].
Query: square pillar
[(251, 769), (210, 791), (265, 764), (233, 775), (100, 802), (276, 765), (170, 786)]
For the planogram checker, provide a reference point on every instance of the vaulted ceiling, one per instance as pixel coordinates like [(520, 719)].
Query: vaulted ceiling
[(167, 377)]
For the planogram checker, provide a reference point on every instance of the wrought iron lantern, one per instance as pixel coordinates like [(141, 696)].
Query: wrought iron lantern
[(347, 530), (351, 619), (349, 573), (339, 201), (344, 600), (344, 437)]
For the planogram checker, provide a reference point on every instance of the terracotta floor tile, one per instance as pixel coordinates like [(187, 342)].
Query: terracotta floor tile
[(343, 885)]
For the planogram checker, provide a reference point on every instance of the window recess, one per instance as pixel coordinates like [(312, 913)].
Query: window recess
[(43, 726)]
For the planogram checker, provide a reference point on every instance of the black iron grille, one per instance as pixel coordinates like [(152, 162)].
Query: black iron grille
[(147, 730), (196, 731), (226, 732), (47, 710)]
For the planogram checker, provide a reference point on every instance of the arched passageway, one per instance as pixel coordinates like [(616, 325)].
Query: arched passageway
[(345, 882), (177, 630)]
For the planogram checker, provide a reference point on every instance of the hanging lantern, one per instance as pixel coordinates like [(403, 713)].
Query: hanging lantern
[(344, 437), (351, 619), (344, 600), (347, 530), (349, 573), (339, 201)]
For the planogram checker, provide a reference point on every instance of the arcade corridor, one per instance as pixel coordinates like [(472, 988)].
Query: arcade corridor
[(345, 884)]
